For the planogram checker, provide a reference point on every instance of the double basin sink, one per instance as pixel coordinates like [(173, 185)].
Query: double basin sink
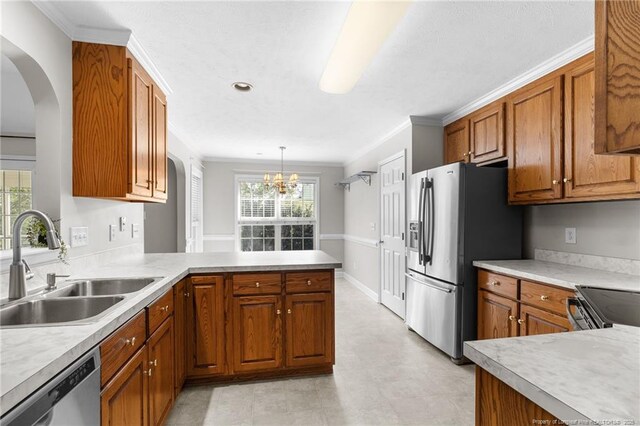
[(78, 302)]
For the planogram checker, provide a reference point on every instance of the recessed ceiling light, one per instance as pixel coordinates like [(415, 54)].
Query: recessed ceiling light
[(242, 86), (258, 153)]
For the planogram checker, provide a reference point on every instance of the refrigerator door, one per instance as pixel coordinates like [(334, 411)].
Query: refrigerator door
[(442, 223), (415, 223), (433, 311)]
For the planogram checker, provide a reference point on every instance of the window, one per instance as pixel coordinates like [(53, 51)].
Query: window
[(16, 195), (196, 243), (268, 221)]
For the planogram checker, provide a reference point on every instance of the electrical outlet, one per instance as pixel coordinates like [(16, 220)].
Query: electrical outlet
[(373, 226), (570, 235), (112, 232), (123, 223), (79, 236), (135, 231)]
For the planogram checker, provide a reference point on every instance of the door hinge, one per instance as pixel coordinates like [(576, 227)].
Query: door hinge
[(403, 295), (403, 236), (402, 175)]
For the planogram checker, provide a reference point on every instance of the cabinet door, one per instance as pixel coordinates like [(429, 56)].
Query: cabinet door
[(140, 130), (179, 328), (456, 141), (124, 400), (257, 333), (588, 174), (536, 321), (497, 316), (161, 387), (486, 133), (534, 139), (205, 316), (309, 326), (160, 175)]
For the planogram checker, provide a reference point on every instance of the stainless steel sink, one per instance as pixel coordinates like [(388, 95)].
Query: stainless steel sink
[(56, 311), (102, 287)]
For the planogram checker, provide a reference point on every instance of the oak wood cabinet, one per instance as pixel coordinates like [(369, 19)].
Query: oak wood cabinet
[(456, 141), (161, 377), (119, 126), (527, 308), (124, 401), (534, 141), (257, 333), (617, 77), (486, 133), (309, 325), (205, 326), (179, 332)]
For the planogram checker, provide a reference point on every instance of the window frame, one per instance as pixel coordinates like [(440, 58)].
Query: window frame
[(277, 221)]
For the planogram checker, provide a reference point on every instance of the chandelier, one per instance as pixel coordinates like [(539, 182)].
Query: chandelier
[(279, 182)]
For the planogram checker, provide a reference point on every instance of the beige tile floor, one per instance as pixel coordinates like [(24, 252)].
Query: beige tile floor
[(384, 375)]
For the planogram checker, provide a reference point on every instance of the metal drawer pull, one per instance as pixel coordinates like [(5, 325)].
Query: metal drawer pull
[(543, 297), (511, 317), (148, 372), (257, 284), (520, 321), (494, 283), (154, 363), (308, 282), (131, 341), (288, 311), (164, 308), (278, 312), (186, 294)]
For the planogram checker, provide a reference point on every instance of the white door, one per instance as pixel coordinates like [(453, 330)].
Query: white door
[(392, 199)]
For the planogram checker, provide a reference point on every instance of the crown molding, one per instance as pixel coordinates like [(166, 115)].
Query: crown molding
[(102, 35), (367, 149), (143, 57), (557, 61), (425, 121)]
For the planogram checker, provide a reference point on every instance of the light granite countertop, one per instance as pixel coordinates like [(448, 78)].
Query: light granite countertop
[(29, 357), (562, 275), (582, 375)]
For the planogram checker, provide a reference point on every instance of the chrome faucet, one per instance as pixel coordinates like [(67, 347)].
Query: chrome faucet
[(19, 271)]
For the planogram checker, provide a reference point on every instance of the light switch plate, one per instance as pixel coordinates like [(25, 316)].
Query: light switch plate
[(135, 231), (79, 236), (123, 223), (112, 232), (570, 235)]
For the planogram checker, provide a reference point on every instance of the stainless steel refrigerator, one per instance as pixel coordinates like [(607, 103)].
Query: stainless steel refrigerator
[(457, 213)]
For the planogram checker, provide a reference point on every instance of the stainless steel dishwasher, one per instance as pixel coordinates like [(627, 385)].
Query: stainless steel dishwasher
[(69, 399)]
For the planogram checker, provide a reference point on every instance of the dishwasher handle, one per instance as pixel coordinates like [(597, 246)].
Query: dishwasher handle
[(578, 323)]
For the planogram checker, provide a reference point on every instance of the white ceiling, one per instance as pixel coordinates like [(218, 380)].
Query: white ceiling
[(442, 56), (17, 111)]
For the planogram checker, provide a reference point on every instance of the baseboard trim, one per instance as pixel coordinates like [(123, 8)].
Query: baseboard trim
[(360, 286)]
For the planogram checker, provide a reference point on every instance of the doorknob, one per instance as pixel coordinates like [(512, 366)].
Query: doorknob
[(381, 242)]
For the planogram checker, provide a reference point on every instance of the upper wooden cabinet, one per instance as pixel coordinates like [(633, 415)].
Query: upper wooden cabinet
[(456, 141), (587, 174), (617, 77), (486, 133), (119, 126), (534, 141)]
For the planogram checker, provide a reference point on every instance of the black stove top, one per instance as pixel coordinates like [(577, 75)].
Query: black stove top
[(612, 306)]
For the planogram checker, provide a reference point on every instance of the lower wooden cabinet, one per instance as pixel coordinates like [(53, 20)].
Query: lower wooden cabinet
[(309, 325), (124, 400), (161, 373), (497, 316), (536, 321), (257, 333)]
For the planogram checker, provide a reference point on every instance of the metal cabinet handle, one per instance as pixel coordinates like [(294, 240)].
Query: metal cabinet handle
[(520, 321), (154, 363), (257, 284), (131, 341), (511, 317), (278, 312), (288, 311), (164, 308), (186, 294), (555, 182), (565, 180), (148, 372), (308, 282), (543, 297), (494, 283)]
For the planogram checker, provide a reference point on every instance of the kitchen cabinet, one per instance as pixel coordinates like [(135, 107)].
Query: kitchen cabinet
[(309, 325), (509, 307), (179, 332), (456, 141), (205, 326), (119, 126), (534, 141), (161, 373), (124, 401), (486, 133), (257, 333), (587, 174), (617, 77)]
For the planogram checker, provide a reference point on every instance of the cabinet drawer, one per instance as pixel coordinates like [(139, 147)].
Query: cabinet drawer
[(546, 297), (121, 345), (499, 284), (308, 282), (248, 284), (158, 311)]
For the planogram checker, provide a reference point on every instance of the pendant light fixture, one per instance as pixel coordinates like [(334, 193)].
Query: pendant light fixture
[(279, 182)]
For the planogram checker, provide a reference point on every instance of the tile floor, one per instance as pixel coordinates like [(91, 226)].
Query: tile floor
[(384, 375)]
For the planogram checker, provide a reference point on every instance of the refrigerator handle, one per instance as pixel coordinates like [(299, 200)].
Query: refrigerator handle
[(432, 222), (420, 223), (428, 184)]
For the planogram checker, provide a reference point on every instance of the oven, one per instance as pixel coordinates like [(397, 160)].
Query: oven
[(596, 307)]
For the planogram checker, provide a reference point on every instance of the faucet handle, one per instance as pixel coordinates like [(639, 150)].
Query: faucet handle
[(28, 274), (51, 280)]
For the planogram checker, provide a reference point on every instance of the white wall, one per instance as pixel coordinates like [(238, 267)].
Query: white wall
[(161, 220), (219, 201), (16, 106)]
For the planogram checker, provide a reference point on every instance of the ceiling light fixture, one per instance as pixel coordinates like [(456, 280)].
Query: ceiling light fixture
[(242, 86), (367, 26), (279, 181)]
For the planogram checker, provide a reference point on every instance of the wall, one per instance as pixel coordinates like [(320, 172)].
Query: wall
[(427, 147), (219, 201), (16, 107), (161, 220), (20, 147), (610, 229)]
